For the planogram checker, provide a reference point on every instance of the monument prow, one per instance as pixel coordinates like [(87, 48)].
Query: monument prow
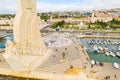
[(28, 50)]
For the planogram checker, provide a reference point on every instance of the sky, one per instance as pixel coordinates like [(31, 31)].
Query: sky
[(10, 6)]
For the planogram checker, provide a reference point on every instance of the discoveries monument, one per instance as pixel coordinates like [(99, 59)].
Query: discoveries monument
[(28, 50)]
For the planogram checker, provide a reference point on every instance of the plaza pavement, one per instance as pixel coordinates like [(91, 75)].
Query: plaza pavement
[(76, 56)]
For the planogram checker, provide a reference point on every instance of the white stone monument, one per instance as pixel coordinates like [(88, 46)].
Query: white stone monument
[(28, 50)]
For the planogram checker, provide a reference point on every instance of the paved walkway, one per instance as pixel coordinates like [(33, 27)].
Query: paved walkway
[(54, 69)]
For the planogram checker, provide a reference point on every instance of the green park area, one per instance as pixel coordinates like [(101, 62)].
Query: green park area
[(100, 25), (113, 25)]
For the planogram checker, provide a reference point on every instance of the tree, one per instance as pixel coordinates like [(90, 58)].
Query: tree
[(44, 17), (7, 15), (89, 26), (61, 24)]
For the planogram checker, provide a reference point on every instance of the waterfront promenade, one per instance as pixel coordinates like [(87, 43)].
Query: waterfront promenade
[(54, 69)]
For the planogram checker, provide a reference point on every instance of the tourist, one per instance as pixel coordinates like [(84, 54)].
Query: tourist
[(87, 59), (76, 48), (65, 48), (115, 77), (71, 66), (54, 56), (109, 77), (92, 66), (101, 64), (95, 63), (106, 77), (84, 67), (55, 49)]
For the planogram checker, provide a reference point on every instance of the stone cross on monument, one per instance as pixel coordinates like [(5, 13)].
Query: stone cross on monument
[(28, 50)]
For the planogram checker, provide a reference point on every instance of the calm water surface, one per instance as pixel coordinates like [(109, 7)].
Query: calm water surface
[(100, 57)]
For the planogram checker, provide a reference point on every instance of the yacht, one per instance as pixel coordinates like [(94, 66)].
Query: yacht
[(112, 54), (118, 54), (95, 48), (100, 48), (107, 53)]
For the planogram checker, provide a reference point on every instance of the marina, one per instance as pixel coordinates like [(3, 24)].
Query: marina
[(102, 50)]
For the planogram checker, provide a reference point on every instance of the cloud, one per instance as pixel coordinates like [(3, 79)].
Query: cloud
[(105, 4), (10, 6), (84, 5), (62, 7)]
